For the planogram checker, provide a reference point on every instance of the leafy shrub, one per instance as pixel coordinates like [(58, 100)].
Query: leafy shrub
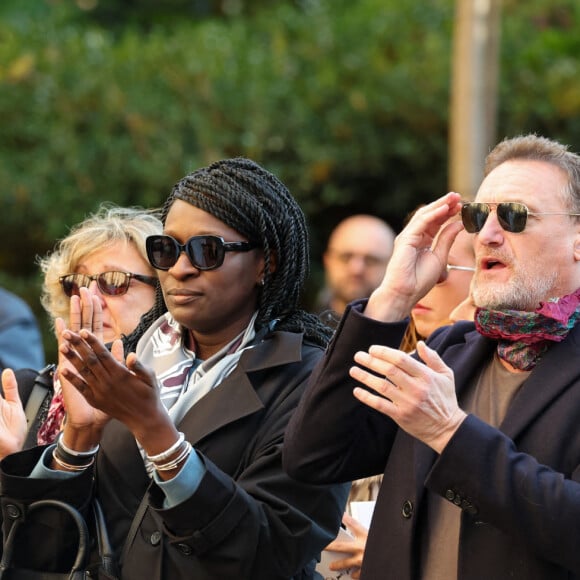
[(346, 102)]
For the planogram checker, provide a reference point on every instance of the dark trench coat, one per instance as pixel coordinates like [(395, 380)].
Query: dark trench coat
[(248, 518)]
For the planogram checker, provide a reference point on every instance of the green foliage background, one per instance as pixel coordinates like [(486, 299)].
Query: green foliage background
[(346, 102)]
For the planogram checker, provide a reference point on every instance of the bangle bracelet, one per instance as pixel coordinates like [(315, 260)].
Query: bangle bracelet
[(63, 455), (168, 452), (68, 466), (60, 443), (174, 463)]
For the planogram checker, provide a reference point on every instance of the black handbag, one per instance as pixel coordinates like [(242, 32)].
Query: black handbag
[(84, 567)]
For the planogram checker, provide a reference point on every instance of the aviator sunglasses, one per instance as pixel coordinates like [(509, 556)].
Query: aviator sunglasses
[(204, 252), (111, 283), (512, 216)]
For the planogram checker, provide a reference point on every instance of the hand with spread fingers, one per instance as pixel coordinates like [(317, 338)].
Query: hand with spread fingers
[(419, 397), (124, 390), (418, 261)]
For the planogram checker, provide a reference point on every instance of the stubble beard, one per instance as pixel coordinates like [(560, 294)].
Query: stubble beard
[(524, 291)]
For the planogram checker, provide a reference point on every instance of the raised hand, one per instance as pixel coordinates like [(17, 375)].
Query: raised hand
[(419, 397), (85, 313), (418, 261), (13, 425)]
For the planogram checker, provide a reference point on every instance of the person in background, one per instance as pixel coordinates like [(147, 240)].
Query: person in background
[(355, 259), (181, 441), (105, 253), (477, 432), (20, 339), (448, 301), (465, 310)]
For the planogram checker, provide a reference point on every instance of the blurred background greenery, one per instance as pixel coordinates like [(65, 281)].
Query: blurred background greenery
[(347, 102)]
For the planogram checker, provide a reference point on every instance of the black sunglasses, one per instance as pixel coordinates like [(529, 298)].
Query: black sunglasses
[(113, 283), (512, 216), (204, 252)]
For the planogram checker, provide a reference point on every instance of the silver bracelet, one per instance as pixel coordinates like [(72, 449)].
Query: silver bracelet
[(174, 463), (169, 452), (68, 466), (89, 453)]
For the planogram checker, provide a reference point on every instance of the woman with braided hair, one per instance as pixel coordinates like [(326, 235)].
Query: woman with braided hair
[(178, 431)]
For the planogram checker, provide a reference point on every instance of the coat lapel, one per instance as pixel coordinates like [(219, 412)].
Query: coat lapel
[(236, 396), (547, 381)]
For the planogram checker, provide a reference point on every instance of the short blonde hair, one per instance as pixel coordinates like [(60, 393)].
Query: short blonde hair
[(109, 224)]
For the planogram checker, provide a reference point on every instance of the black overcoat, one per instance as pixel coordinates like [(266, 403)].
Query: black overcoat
[(518, 486)]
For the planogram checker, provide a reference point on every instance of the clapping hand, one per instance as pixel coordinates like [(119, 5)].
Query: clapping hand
[(13, 426)]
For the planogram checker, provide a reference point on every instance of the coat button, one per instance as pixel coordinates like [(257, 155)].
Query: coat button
[(450, 495), (184, 549), (155, 538), (12, 511), (407, 510), (472, 510)]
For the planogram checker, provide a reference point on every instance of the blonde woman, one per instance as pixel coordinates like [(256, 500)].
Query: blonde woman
[(105, 253)]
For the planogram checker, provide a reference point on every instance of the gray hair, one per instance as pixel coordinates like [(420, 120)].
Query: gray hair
[(534, 148)]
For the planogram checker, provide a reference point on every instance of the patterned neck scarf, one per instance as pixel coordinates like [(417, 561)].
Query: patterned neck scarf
[(523, 337), (184, 379)]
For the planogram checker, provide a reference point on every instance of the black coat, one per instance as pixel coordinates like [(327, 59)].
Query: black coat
[(247, 519), (518, 486)]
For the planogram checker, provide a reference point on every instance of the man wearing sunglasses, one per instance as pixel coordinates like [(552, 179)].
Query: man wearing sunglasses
[(477, 433)]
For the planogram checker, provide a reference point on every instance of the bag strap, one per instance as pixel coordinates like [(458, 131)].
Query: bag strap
[(107, 557), (42, 388), (83, 546)]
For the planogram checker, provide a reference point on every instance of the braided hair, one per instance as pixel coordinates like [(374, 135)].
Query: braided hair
[(255, 203)]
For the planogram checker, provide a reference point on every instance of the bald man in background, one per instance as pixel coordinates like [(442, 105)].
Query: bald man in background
[(354, 261)]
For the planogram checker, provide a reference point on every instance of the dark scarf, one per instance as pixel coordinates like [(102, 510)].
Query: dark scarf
[(523, 337)]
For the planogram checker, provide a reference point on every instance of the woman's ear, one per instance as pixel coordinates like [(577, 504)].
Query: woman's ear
[(577, 250), (577, 244), (273, 262), (262, 273)]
